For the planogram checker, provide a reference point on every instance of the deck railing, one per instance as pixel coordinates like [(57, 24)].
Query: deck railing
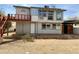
[(12, 17), (3, 20), (19, 17)]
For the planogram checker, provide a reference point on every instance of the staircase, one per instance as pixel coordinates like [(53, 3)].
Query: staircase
[(12, 17), (3, 21)]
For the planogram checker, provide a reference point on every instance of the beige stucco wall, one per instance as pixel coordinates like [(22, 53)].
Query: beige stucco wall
[(23, 27)]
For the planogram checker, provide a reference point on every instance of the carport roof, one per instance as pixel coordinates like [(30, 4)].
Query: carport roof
[(71, 21)]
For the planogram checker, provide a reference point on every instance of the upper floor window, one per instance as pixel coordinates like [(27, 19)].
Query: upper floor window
[(42, 14), (50, 15), (59, 15)]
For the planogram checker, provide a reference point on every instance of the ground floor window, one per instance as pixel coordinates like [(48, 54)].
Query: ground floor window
[(53, 26), (50, 26), (46, 26), (43, 26)]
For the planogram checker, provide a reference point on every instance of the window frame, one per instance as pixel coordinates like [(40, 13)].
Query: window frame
[(53, 27), (59, 15), (50, 15), (43, 26), (42, 14), (47, 26)]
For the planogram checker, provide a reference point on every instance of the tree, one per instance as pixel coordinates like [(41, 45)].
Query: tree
[(2, 13), (8, 24)]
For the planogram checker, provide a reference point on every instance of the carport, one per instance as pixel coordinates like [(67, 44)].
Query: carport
[(67, 26)]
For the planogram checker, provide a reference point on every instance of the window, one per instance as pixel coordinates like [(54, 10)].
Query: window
[(54, 26), (42, 14), (59, 15), (50, 15), (46, 26), (43, 26)]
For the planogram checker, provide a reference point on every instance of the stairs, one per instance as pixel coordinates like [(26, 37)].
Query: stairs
[(12, 17), (3, 21)]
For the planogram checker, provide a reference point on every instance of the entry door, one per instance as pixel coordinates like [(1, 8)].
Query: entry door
[(65, 29)]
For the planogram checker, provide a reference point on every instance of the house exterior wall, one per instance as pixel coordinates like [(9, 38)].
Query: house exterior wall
[(36, 26), (37, 29), (76, 30), (47, 31), (35, 17), (36, 22), (23, 27), (25, 11), (32, 28)]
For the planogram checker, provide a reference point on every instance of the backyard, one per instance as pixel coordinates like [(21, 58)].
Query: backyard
[(40, 46)]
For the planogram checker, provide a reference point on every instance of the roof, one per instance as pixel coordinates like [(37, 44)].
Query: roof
[(49, 8), (72, 21), (21, 6), (41, 8)]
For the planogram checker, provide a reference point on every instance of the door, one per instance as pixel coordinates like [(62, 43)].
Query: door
[(65, 29)]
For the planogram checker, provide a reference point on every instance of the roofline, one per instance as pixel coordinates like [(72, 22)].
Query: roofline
[(39, 8), (71, 21), (21, 6), (49, 8)]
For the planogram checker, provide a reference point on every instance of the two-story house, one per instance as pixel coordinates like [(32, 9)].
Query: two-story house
[(42, 20)]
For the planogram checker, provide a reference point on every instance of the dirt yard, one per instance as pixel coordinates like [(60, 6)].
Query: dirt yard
[(41, 46)]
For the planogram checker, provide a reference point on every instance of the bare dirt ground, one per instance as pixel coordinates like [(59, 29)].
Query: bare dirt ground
[(41, 46)]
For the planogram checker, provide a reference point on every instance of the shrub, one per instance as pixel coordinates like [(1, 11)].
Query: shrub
[(14, 36), (27, 38)]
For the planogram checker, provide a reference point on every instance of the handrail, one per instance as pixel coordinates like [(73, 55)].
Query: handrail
[(18, 17), (4, 19), (1, 17), (4, 22)]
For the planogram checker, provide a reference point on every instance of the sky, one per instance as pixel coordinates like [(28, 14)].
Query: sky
[(72, 9)]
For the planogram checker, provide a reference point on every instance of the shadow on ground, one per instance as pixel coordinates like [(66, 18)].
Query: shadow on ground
[(9, 41)]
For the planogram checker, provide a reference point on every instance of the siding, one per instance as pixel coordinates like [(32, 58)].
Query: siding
[(32, 27), (35, 17), (23, 27), (76, 30), (19, 11), (38, 29)]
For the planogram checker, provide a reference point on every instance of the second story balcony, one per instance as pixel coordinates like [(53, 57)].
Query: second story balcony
[(19, 17)]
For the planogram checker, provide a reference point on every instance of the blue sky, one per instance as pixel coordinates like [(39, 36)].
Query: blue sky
[(72, 9)]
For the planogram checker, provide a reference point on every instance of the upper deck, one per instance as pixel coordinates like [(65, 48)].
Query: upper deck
[(19, 17)]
